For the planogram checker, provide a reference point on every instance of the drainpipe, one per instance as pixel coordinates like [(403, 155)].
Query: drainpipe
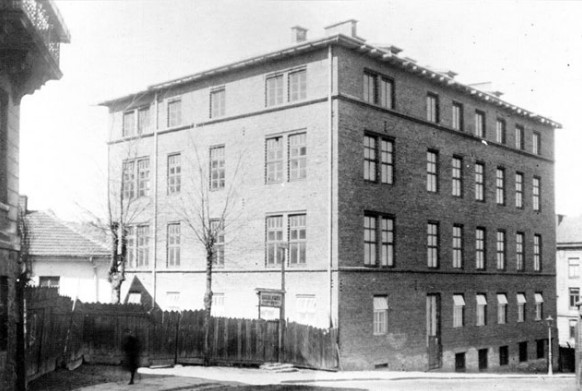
[(331, 194), (155, 206)]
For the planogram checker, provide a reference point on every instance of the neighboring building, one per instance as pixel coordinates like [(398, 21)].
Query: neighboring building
[(568, 280), (30, 34), (415, 213), (63, 257)]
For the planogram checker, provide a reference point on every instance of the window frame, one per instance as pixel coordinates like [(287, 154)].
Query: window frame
[(458, 246), (173, 244), (457, 122), (432, 107), (217, 102), (380, 314), (536, 143), (572, 269), (274, 93), (379, 239), (374, 85), (500, 186), (481, 310), (174, 173), (297, 156), (457, 176), (433, 244), (299, 93), (537, 193), (217, 229), (520, 251), (480, 124), (501, 246), (539, 306), (481, 248), (174, 118), (298, 243), (378, 161), (458, 310), (502, 304), (574, 296), (480, 181), (217, 167), (519, 181), (135, 178), (432, 171), (521, 307), (501, 131), (519, 136), (537, 253)]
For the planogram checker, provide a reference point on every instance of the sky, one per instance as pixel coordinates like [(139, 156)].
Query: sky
[(530, 50)]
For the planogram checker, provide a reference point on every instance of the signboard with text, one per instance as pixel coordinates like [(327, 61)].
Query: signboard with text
[(270, 299)]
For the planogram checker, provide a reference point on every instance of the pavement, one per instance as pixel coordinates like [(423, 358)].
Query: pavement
[(207, 378)]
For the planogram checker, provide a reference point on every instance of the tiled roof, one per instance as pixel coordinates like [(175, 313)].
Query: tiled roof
[(570, 230), (48, 235)]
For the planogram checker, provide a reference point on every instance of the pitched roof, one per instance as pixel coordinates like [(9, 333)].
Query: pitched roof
[(570, 231), (50, 236)]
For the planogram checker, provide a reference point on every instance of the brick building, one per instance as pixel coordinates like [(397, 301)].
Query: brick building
[(413, 212), (30, 34)]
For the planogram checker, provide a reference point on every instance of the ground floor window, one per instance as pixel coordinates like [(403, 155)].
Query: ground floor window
[(522, 351), (541, 348), (460, 362), (503, 355), (483, 359)]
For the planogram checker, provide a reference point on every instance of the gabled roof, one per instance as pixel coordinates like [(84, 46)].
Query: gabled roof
[(50, 236), (570, 231)]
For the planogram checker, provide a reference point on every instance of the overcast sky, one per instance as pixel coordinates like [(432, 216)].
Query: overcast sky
[(530, 50)]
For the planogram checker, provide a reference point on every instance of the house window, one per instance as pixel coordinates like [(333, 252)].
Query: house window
[(3, 312), (297, 239), (458, 311), (129, 179), (173, 301), (572, 323), (143, 177), (432, 245), (297, 85), (483, 359), (479, 124), (500, 250), (574, 294), (274, 239), (432, 170), (136, 178), (519, 136), (573, 267), (49, 281), (217, 103), (218, 304), (128, 126), (386, 244), (537, 259), (274, 90), (522, 351), (519, 243), (297, 156), (541, 348), (387, 241), (500, 186), (536, 193), (174, 240), (143, 120), (380, 315), (457, 177), (501, 308), (481, 310), (480, 248), (370, 158), (217, 231), (217, 170), (536, 143), (274, 166), (539, 308), (457, 116), (370, 240), (306, 309), (386, 154), (500, 131), (174, 173), (432, 107), (174, 113), (378, 90), (386, 160), (521, 302), (457, 246), (143, 245), (479, 181), (518, 190), (503, 355)]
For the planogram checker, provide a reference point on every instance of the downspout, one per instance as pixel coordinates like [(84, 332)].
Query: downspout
[(155, 219), (331, 192)]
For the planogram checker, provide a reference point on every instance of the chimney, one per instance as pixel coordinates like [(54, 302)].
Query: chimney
[(298, 34), (23, 203), (347, 27)]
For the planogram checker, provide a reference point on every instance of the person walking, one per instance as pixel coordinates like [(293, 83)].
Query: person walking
[(131, 349)]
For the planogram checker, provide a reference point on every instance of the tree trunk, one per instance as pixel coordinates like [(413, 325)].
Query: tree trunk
[(208, 305)]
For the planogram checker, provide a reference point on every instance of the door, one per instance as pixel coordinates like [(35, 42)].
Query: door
[(433, 331)]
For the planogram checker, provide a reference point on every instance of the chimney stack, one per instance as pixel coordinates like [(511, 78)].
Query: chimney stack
[(347, 27), (298, 34)]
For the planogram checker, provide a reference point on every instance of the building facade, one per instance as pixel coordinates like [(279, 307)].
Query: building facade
[(30, 34), (411, 211)]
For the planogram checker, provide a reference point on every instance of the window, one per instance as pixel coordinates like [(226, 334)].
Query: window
[(134, 298), (536, 143), (174, 240), (457, 246), (500, 186), (3, 312), (297, 239), (536, 193), (539, 301), (500, 250), (218, 304), (519, 136), (572, 323), (386, 244), (297, 85), (481, 310), (574, 297), (49, 281), (305, 308), (541, 348), (274, 239), (537, 259), (217, 103), (128, 126), (297, 156), (371, 159), (500, 131), (217, 230), (136, 178), (173, 301), (386, 160), (432, 175), (174, 113), (483, 359), (274, 167), (457, 177), (432, 107), (143, 177), (522, 351), (457, 116), (174, 173), (460, 362), (274, 90), (129, 179), (458, 311), (573, 267), (519, 240), (217, 170), (143, 120), (137, 246), (480, 248), (521, 302), (479, 124), (378, 90), (503, 355), (501, 308), (380, 315), (518, 190), (432, 245), (479, 181)]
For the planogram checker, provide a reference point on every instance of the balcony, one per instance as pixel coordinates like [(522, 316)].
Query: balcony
[(31, 32)]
